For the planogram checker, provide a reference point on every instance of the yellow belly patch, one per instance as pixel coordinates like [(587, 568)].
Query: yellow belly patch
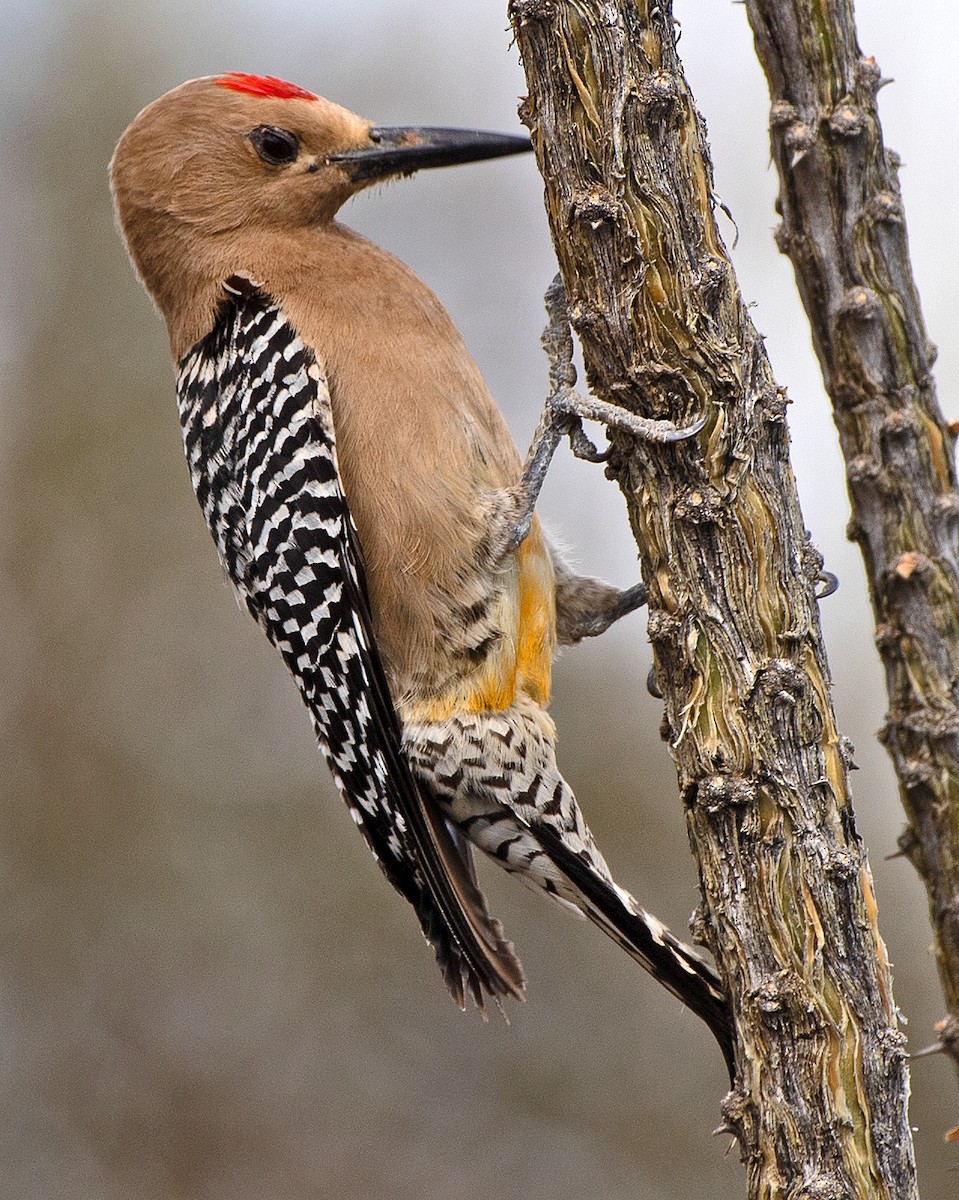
[(536, 644), (521, 663)]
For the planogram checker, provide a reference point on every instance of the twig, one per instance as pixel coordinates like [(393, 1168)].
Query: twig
[(844, 231)]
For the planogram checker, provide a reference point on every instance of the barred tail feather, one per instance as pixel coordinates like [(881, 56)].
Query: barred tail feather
[(493, 968)]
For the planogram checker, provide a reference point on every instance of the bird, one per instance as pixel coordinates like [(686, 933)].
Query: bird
[(373, 513)]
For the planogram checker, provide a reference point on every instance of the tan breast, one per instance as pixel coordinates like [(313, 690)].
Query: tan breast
[(423, 454), (423, 450)]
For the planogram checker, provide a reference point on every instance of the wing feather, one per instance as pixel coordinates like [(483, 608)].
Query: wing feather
[(258, 432)]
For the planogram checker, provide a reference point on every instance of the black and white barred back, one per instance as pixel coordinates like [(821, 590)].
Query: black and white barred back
[(258, 432)]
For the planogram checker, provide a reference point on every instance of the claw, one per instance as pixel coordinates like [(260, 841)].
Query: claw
[(582, 447), (828, 583)]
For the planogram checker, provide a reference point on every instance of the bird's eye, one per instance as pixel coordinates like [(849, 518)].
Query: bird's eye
[(275, 146)]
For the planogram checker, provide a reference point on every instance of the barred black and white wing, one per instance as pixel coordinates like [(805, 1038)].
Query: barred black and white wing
[(259, 438)]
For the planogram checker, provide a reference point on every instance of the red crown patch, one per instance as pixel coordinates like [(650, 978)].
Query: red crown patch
[(264, 85)]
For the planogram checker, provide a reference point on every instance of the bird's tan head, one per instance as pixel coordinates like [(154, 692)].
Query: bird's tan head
[(233, 151), (221, 162)]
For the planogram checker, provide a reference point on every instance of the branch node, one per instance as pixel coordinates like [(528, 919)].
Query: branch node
[(798, 140), (812, 561), (914, 773), (713, 279), (781, 679), (663, 626), (782, 114), (594, 207), (698, 506), (909, 566), (659, 90), (583, 317), (900, 423), (843, 864), (526, 11), (699, 928), (887, 635), (859, 304), (885, 207), (718, 793), (821, 1187), (776, 993), (847, 752), (869, 75), (862, 469), (847, 120), (946, 507), (773, 402)]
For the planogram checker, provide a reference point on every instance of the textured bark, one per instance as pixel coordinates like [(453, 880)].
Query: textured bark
[(844, 230), (788, 908)]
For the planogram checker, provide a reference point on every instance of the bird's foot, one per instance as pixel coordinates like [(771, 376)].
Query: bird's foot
[(566, 409), (586, 607)]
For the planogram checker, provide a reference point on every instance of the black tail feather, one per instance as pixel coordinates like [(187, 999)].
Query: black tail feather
[(676, 966)]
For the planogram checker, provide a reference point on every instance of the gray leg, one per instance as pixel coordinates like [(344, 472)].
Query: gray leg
[(586, 607), (566, 409)]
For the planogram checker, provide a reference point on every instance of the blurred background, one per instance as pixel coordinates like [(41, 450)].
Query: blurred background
[(207, 990)]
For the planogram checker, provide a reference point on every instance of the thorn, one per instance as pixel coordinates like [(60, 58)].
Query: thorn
[(732, 1141), (929, 1051), (895, 854), (907, 841)]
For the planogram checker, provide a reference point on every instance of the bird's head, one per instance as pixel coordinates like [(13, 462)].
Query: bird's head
[(234, 152)]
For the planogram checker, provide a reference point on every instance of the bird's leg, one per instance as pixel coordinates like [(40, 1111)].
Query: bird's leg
[(558, 420), (586, 607), (565, 411)]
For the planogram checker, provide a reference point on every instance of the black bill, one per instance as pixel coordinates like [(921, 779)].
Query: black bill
[(401, 150)]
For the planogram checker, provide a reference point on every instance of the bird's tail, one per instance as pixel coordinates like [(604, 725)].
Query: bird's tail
[(494, 775), (675, 965)]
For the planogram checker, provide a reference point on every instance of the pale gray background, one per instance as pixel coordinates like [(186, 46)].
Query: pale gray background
[(207, 989)]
